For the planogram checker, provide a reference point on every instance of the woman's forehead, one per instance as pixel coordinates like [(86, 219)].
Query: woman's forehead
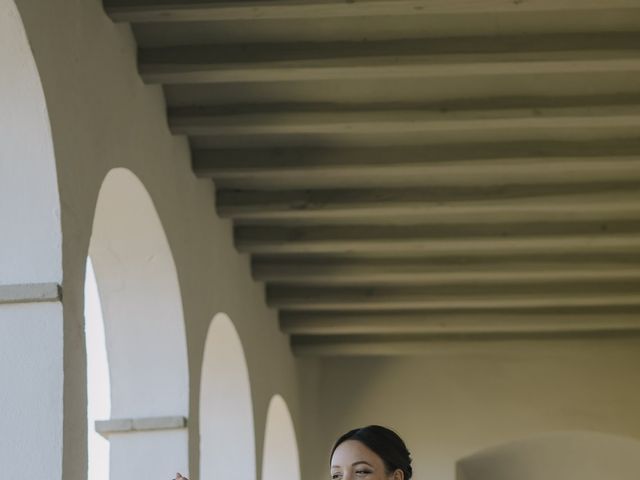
[(351, 451)]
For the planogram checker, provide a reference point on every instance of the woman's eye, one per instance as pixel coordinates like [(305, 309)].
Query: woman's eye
[(336, 476), (363, 472)]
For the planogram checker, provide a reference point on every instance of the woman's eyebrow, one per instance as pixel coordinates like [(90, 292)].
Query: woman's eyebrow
[(354, 464), (361, 461)]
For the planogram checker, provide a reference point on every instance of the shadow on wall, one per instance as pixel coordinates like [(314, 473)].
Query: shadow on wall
[(556, 456)]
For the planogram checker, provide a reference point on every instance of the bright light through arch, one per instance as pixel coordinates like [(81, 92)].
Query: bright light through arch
[(98, 385), (144, 327), (280, 455), (227, 440)]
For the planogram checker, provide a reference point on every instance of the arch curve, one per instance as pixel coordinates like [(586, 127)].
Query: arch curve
[(280, 458), (143, 325), (227, 439)]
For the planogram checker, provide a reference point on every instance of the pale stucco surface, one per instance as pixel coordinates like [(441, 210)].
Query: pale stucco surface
[(103, 117), (447, 407)]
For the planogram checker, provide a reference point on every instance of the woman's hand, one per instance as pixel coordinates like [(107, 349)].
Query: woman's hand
[(180, 477)]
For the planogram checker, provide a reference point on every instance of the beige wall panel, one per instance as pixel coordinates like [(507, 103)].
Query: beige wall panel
[(448, 407)]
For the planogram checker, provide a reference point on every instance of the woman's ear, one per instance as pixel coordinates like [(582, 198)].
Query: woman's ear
[(398, 475)]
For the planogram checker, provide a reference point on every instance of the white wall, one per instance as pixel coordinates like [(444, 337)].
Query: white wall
[(31, 334), (30, 251), (31, 393), (102, 117)]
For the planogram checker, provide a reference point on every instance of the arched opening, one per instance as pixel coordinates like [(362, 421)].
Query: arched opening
[(144, 332), (280, 454), (98, 385), (227, 441), (31, 326), (561, 456)]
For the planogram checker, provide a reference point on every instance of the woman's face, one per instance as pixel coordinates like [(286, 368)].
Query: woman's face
[(353, 460)]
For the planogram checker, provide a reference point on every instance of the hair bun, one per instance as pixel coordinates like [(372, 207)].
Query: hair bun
[(385, 443)]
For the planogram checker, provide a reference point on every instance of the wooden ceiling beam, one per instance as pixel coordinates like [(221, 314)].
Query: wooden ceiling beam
[(459, 297), (362, 61), (462, 165), (452, 246), (458, 322), (526, 344), (442, 239), (446, 205), (412, 125), (417, 271), (475, 216), (163, 11)]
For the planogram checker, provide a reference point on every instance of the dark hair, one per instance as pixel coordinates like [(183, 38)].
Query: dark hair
[(383, 442)]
